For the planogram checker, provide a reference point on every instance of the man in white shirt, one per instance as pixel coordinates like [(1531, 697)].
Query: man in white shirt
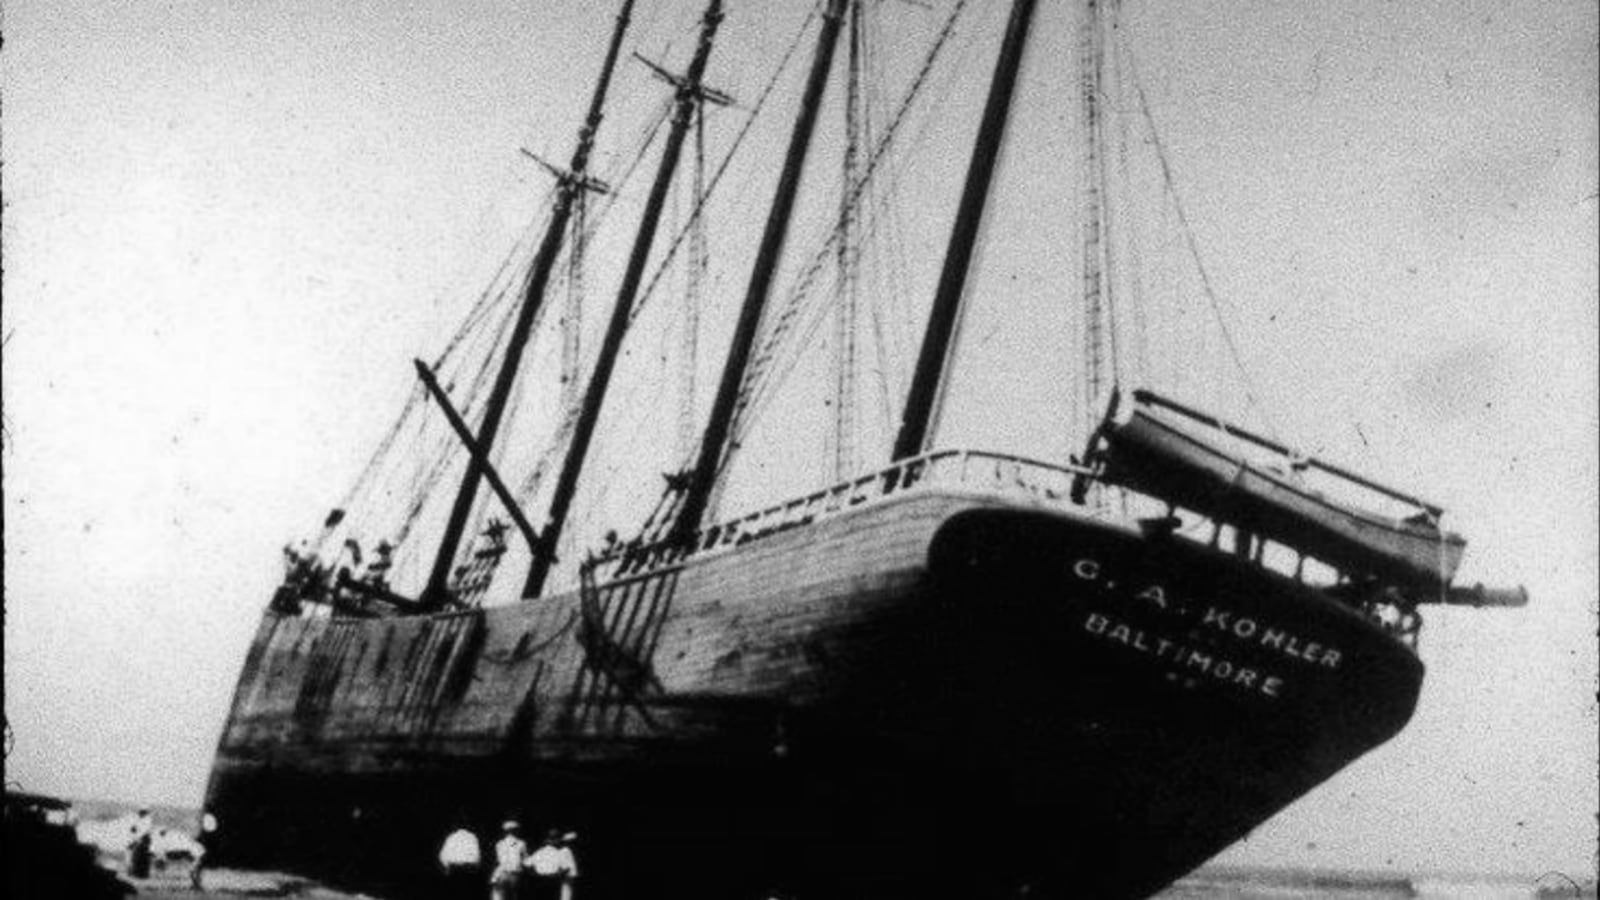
[(461, 859), (510, 855), (553, 866)]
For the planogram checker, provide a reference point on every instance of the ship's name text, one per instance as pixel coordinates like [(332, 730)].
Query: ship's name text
[(1247, 629), (1226, 621), (1188, 661)]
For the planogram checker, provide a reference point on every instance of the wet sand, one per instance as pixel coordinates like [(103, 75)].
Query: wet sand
[(221, 884), (1214, 882)]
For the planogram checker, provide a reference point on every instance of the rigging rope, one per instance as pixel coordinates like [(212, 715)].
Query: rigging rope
[(572, 318), (432, 455), (1135, 276), (758, 396), (570, 399), (703, 200), (754, 390), (699, 260), (722, 167), (1194, 249), (884, 294)]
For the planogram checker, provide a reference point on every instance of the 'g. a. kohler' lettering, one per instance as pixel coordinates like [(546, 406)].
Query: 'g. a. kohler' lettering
[(1186, 660), (1249, 630), (1227, 621), (1089, 570)]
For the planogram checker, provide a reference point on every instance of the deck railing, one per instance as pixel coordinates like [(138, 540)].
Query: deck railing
[(983, 473), (973, 469), (980, 471)]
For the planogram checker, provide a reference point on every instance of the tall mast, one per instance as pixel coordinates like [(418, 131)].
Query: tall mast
[(1097, 299), (694, 278), (689, 95), (847, 264), (572, 182), (969, 216), (704, 475)]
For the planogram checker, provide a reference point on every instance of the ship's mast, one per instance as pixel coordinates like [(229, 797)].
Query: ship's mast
[(689, 96), (1098, 333), (704, 475), (931, 362), (573, 181), (694, 280), (848, 263)]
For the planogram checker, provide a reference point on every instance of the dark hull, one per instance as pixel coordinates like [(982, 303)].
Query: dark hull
[(934, 694)]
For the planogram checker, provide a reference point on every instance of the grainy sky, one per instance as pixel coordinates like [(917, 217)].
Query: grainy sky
[(228, 225)]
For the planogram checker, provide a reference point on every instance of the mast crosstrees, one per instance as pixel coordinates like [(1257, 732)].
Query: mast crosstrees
[(436, 594), (689, 96), (697, 492)]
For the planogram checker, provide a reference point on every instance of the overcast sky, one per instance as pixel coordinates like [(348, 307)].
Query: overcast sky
[(228, 225)]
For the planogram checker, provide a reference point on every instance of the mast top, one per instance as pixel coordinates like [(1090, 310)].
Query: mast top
[(435, 595)]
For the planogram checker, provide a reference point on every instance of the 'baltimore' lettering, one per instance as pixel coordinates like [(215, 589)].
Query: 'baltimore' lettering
[(1186, 660)]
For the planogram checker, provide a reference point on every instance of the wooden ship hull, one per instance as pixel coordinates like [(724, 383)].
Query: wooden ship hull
[(910, 685), (833, 708)]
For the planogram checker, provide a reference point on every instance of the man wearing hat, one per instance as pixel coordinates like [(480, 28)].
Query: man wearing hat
[(553, 867), (510, 855)]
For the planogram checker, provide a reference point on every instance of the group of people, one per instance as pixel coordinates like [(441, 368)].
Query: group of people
[(546, 872), (142, 850)]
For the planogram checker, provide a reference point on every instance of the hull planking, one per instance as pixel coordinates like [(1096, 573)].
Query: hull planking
[(939, 675)]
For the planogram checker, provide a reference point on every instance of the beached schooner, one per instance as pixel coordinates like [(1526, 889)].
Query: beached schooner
[(1090, 673)]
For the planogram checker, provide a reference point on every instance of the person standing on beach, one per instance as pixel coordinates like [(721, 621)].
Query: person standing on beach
[(553, 867), (205, 838), (462, 860), (570, 881), (510, 856), (139, 840)]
